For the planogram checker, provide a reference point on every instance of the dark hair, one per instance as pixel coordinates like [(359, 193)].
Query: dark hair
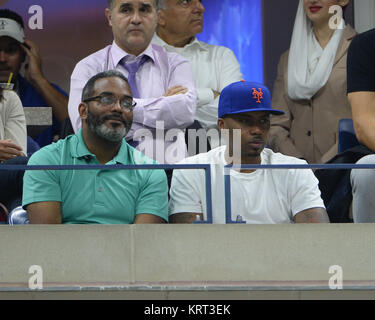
[(9, 14), (111, 3), (88, 90)]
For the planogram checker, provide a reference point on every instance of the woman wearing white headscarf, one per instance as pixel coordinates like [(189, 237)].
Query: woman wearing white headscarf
[(311, 83)]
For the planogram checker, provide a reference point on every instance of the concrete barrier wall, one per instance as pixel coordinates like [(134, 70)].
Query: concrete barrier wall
[(187, 257), (186, 253)]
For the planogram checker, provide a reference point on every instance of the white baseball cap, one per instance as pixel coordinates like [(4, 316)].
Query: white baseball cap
[(11, 28)]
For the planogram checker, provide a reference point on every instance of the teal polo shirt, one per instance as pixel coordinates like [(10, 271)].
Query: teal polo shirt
[(96, 196)]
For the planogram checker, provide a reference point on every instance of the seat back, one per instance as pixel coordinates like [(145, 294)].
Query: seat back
[(32, 146), (346, 135), (66, 128), (18, 216)]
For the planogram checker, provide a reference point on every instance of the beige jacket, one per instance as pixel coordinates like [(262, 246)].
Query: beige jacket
[(12, 120), (309, 127)]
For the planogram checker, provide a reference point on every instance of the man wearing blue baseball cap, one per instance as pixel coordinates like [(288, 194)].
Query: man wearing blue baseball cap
[(259, 196)]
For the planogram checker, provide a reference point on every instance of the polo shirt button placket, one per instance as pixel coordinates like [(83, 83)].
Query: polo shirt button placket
[(99, 182)]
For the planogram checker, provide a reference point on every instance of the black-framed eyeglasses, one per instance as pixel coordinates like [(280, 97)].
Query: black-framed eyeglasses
[(108, 100)]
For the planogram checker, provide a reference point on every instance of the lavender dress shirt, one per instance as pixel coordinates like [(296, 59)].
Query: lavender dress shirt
[(159, 120)]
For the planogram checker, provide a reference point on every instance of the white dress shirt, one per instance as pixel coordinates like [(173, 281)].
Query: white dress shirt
[(214, 67)]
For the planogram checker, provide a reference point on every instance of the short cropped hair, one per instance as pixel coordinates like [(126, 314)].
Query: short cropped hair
[(88, 89), (157, 4), (9, 14)]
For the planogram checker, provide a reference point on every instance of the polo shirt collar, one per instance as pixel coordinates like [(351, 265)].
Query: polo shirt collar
[(118, 54), (122, 156), (79, 150)]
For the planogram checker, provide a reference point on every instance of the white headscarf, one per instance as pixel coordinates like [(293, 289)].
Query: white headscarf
[(309, 66)]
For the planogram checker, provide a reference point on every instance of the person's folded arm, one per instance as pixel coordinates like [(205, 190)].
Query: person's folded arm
[(304, 196), (185, 217), (152, 204), (205, 96), (41, 196), (186, 194), (228, 71), (44, 212), (178, 110), (313, 215), (144, 218), (363, 112)]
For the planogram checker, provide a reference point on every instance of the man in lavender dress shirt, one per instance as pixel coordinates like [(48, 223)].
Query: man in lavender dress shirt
[(167, 97)]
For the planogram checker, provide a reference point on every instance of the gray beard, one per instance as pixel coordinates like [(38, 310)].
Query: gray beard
[(101, 130)]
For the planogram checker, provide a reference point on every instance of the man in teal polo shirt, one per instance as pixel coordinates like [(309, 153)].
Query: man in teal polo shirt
[(97, 196)]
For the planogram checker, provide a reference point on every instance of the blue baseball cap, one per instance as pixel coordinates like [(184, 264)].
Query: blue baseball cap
[(243, 96)]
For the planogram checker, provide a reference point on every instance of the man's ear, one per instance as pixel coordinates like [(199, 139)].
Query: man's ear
[(83, 110), (108, 15), (161, 18), (221, 123)]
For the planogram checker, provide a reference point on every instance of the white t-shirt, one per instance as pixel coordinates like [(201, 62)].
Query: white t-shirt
[(265, 196)]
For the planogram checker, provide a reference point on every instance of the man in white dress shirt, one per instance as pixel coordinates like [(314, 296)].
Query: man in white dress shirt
[(214, 67)]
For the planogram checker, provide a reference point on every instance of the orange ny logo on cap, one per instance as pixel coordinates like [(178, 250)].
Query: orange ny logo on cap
[(258, 94)]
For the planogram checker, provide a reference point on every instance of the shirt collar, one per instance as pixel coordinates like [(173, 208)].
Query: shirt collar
[(193, 43), (118, 54), (79, 150), (122, 156)]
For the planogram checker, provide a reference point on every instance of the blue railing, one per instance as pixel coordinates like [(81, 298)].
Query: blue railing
[(228, 207), (205, 167)]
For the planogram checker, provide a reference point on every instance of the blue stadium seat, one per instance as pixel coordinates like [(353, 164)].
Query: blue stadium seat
[(18, 216), (346, 135), (32, 146)]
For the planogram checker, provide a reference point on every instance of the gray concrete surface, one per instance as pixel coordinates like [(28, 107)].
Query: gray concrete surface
[(189, 261)]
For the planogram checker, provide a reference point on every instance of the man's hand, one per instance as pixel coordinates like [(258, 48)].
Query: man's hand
[(34, 75), (175, 90), (216, 94), (9, 150), (33, 68)]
